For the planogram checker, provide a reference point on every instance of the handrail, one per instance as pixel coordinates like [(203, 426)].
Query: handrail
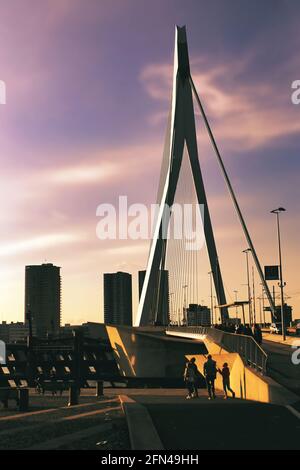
[(246, 346)]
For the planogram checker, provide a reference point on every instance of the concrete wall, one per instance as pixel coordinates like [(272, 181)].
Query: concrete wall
[(246, 382), (141, 354)]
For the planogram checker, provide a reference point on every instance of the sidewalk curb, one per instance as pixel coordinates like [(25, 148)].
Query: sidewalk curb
[(142, 432)]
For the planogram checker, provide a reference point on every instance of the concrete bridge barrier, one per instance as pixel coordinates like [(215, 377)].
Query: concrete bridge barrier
[(246, 382)]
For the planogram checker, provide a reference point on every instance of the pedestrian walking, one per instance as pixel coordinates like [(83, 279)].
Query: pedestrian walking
[(210, 373), (191, 375), (225, 372)]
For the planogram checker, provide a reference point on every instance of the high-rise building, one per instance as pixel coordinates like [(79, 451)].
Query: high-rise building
[(160, 312), (42, 297), (117, 298)]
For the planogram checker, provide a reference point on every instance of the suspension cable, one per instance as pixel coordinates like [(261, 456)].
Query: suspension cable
[(232, 194)]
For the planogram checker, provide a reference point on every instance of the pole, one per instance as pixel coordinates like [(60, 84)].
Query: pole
[(211, 298), (248, 284), (99, 389), (274, 296), (253, 291), (215, 310), (173, 314), (281, 284), (263, 304), (30, 355), (74, 391), (260, 311), (23, 395), (184, 306), (243, 310), (236, 308), (235, 203)]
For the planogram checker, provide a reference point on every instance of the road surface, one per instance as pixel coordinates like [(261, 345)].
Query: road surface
[(280, 365), (199, 424)]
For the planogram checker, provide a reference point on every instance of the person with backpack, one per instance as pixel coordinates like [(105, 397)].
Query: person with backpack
[(191, 374)]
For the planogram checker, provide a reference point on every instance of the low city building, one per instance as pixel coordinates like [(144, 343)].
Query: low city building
[(14, 332), (198, 315)]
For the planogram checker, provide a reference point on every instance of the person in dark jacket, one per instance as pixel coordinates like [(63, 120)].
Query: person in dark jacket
[(197, 374), (257, 333), (247, 330), (191, 375), (210, 373), (40, 387), (240, 330), (225, 372)]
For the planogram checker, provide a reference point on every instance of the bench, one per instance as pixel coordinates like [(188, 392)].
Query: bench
[(20, 394)]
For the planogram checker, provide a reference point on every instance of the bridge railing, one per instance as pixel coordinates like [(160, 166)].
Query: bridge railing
[(246, 346)]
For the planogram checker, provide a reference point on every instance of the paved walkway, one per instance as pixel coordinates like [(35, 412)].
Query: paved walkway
[(218, 424), (171, 421), (51, 424), (289, 341)]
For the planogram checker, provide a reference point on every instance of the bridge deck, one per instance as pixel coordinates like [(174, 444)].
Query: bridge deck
[(218, 424), (280, 365)]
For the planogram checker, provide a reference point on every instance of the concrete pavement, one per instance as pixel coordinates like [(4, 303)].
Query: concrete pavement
[(95, 423), (218, 424), (289, 341)]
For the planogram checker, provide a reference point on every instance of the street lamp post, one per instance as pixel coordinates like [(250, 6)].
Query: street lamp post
[(248, 284), (236, 308), (260, 310), (185, 286), (281, 283), (263, 303), (217, 320), (211, 298), (253, 292), (172, 315)]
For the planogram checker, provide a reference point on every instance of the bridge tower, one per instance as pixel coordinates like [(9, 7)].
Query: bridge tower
[(180, 140), (180, 136)]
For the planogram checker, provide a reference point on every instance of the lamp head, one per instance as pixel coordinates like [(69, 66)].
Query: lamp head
[(277, 211)]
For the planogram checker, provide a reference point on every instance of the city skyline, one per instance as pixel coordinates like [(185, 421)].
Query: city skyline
[(65, 148)]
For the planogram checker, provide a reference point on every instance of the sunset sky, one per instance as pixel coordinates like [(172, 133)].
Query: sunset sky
[(88, 92)]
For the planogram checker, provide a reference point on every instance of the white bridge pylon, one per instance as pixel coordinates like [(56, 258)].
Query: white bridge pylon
[(181, 135)]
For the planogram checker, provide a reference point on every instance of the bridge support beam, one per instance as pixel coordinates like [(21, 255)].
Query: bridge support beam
[(181, 135)]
